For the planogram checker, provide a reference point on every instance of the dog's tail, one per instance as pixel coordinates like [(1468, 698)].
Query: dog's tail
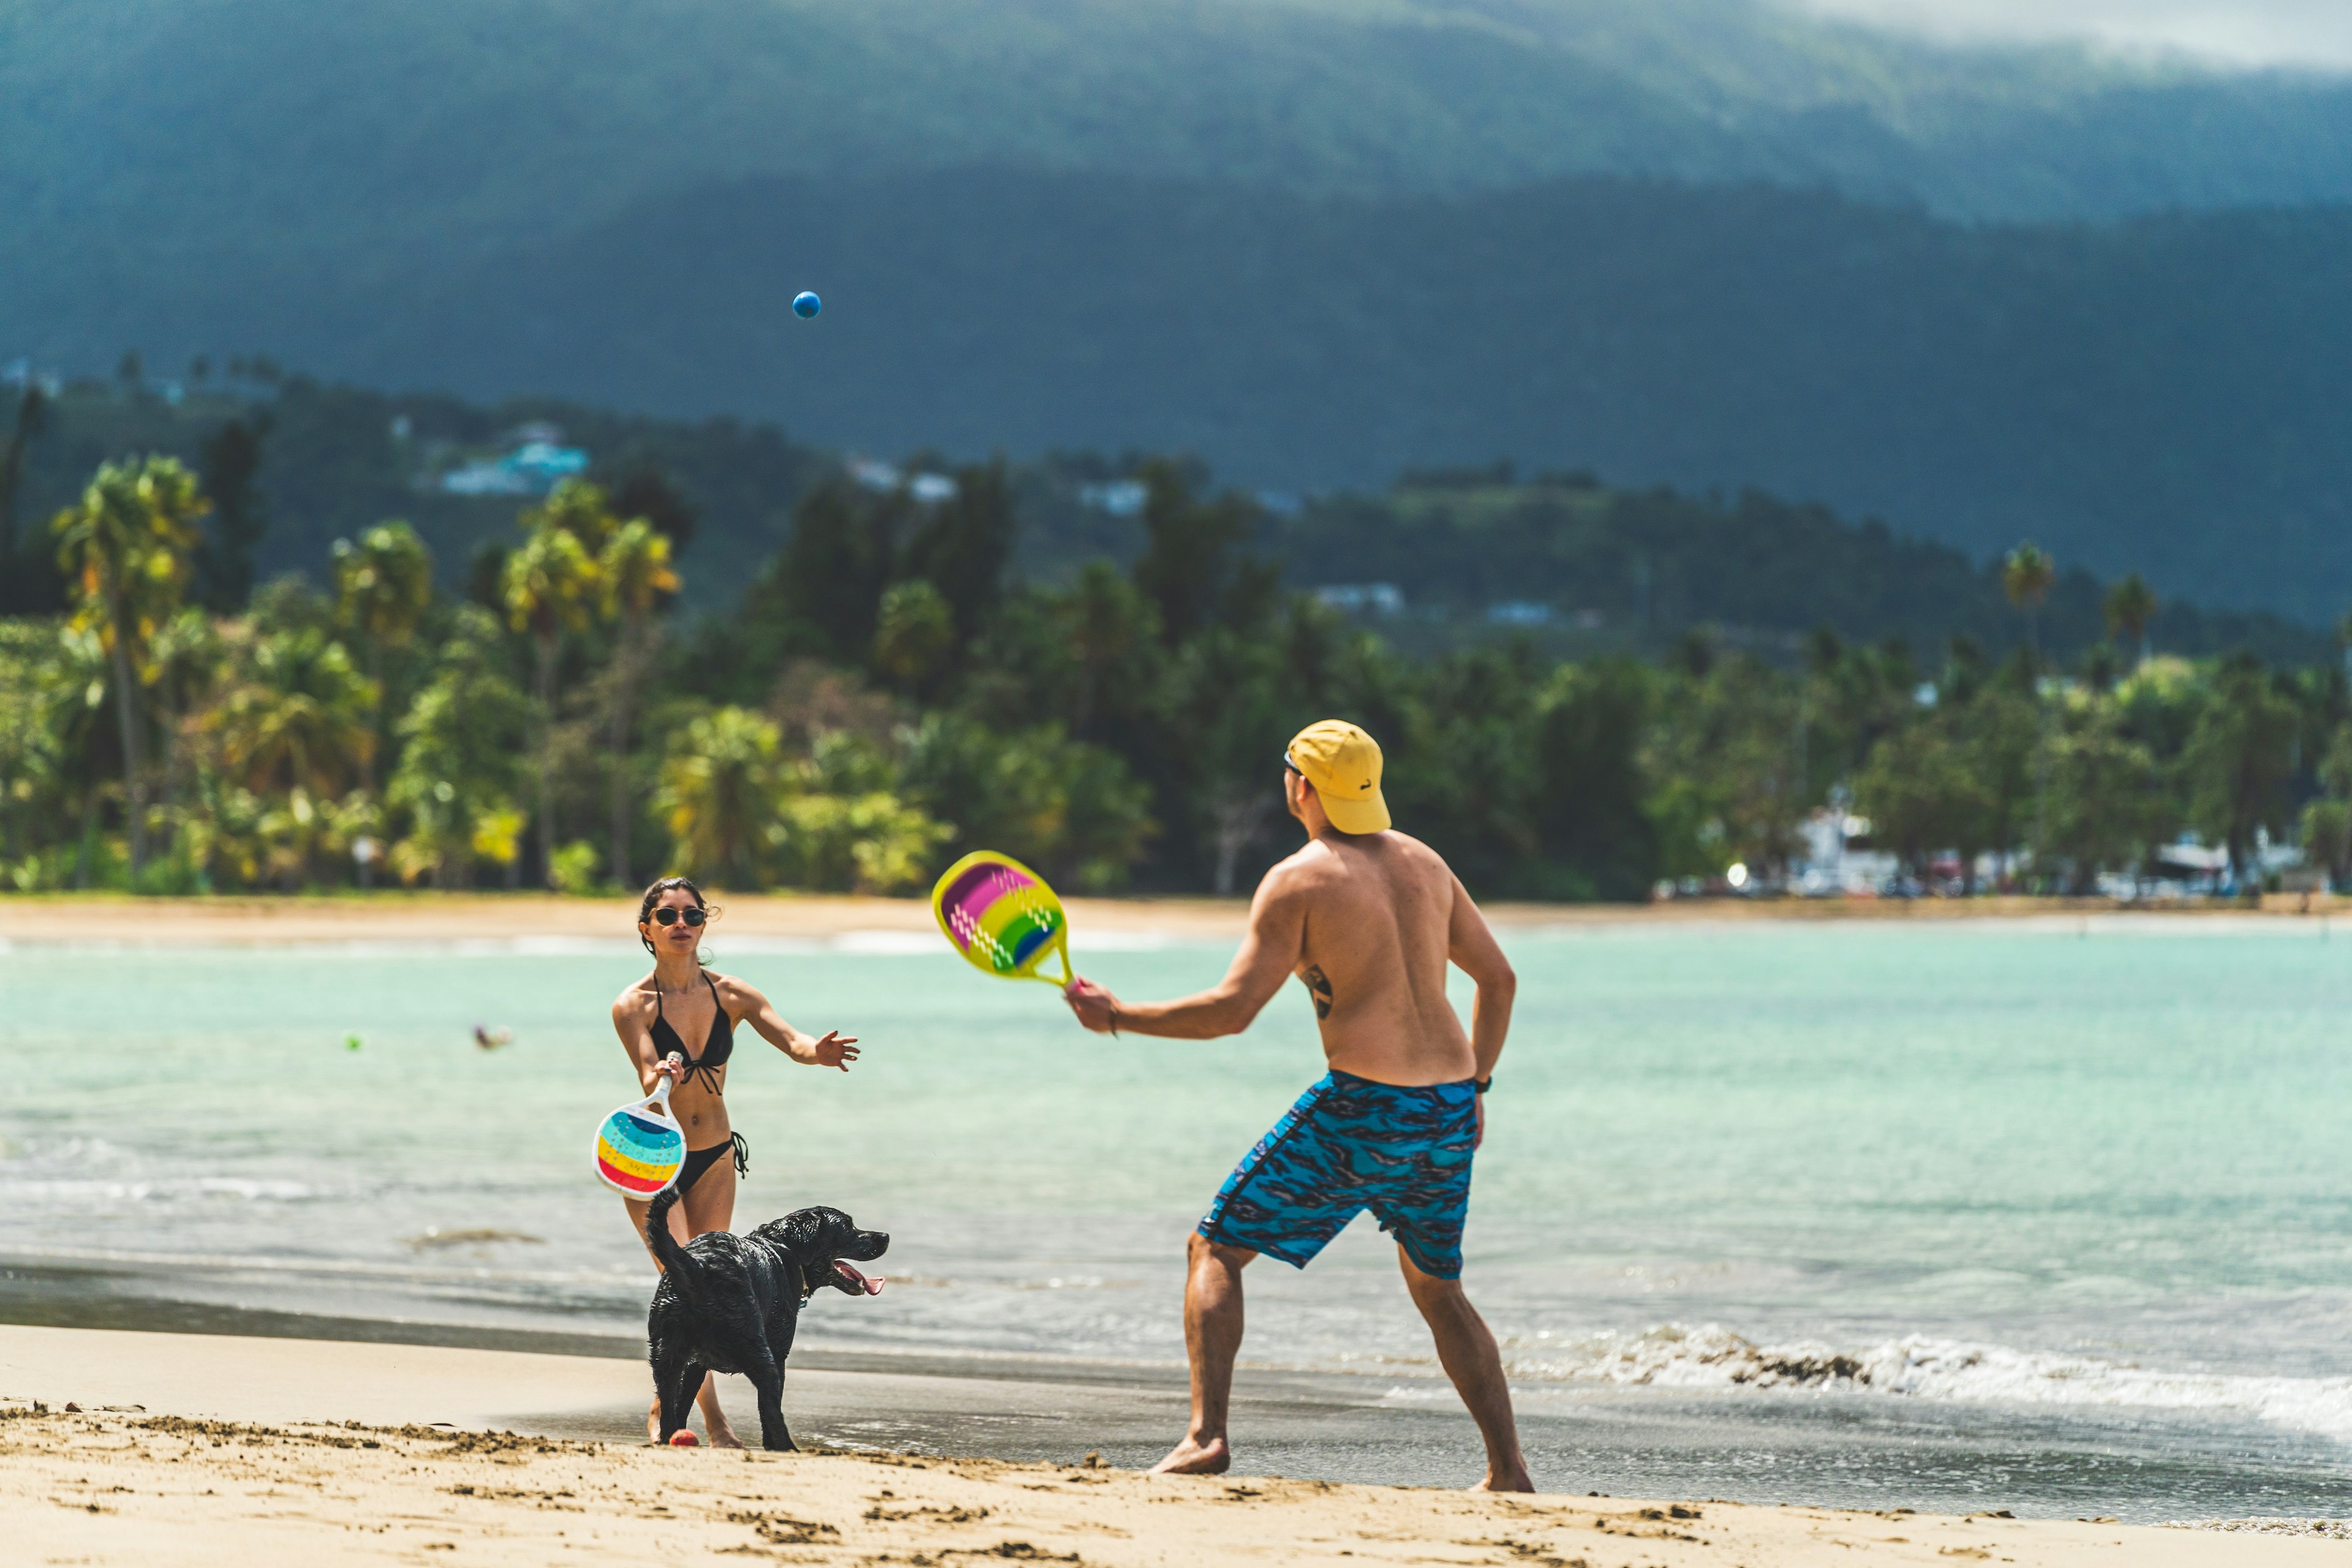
[(683, 1271)]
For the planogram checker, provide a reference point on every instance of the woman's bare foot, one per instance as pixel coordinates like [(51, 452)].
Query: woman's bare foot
[(1516, 1481), (1190, 1458), (722, 1436)]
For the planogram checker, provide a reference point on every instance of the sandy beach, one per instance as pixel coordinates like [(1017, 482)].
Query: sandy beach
[(162, 1449), (392, 916)]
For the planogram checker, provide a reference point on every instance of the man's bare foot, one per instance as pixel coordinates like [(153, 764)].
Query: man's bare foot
[(1516, 1481), (1190, 1458)]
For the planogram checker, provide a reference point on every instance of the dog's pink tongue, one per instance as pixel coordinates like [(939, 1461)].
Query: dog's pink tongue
[(871, 1285)]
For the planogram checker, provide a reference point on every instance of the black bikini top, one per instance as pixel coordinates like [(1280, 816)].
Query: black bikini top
[(715, 1050)]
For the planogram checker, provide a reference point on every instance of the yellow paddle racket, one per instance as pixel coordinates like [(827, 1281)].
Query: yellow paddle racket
[(1003, 917)]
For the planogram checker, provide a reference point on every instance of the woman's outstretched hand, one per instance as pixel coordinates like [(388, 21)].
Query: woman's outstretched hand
[(835, 1050)]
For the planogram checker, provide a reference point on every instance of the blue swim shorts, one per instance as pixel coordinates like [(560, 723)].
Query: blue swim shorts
[(1351, 1144)]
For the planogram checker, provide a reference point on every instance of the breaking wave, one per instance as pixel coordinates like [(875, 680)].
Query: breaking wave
[(1919, 1367)]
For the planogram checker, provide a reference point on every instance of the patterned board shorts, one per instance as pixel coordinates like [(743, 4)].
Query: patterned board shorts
[(1351, 1144)]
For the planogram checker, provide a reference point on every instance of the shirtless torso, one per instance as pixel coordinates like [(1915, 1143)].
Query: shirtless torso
[(1370, 921), (1379, 919)]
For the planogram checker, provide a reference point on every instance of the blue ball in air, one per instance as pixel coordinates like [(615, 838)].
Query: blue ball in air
[(806, 304)]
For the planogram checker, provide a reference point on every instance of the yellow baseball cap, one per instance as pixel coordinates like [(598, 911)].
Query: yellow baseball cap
[(1343, 764)]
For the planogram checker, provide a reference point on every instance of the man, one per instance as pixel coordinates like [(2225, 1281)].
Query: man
[(1368, 917)]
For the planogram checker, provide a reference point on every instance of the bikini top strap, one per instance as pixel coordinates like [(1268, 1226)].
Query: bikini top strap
[(720, 1006)]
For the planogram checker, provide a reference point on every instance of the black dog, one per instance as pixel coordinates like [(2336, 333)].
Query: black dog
[(730, 1303)]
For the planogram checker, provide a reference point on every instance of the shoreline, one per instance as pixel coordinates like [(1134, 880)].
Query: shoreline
[(158, 1450), (466, 917), (1374, 1425)]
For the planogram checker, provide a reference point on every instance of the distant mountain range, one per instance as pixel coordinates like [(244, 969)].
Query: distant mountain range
[(1698, 241), (2166, 395)]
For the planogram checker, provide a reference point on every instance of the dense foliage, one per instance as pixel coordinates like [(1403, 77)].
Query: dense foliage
[(889, 692)]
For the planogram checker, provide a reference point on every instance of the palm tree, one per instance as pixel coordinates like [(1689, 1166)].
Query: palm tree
[(2131, 605), (581, 510), (551, 587), (2026, 576), (186, 659), (383, 587), (635, 567), (32, 418), (719, 795), (127, 548), (299, 720)]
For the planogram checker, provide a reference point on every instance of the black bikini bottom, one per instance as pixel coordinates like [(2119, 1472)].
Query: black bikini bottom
[(700, 1160)]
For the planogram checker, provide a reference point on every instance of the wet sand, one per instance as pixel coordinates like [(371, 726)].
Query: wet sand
[(162, 1449)]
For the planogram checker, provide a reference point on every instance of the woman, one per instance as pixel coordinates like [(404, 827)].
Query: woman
[(680, 1022)]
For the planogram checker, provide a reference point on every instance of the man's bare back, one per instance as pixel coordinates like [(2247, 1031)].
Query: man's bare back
[(1375, 917), (1369, 919)]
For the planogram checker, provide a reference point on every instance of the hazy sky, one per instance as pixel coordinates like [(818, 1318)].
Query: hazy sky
[(2244, 32)]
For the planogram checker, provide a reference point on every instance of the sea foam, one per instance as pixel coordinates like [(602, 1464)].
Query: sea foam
[(1919, 1366)]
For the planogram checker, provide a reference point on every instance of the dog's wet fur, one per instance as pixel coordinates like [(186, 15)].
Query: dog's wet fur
[(730, 1303)]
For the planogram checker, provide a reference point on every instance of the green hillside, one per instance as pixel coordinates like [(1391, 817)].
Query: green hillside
[(187, 174), (2159, 395)]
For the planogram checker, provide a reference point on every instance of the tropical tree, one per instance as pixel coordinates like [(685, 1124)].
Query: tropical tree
[(31, 418), (2027, 574), (1193, 567), (126, 547), (551, 585), (1073, 809), (1923, 790), (460, 759), (718, 795), (2327, 837), (296, 717), (2130, 607), (2107, 801), (635, 568), (383, 584), (1227, 717), (914, 632), (2240, 758), (579, 507), (188, 656), (231, 467), (873, 842)]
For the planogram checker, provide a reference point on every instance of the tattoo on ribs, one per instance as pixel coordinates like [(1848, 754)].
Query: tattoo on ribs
[(1320, 985)]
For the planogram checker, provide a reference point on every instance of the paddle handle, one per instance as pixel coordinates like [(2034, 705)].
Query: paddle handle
[(1060, 949), (659, 1098)]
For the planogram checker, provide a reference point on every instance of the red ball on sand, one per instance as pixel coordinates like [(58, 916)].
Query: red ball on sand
[(683, 1439)]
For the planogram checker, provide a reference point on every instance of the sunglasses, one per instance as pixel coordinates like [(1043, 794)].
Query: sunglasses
[(668, 915)]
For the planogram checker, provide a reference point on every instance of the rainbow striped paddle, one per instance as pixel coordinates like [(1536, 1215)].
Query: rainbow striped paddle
[(1003, 917), (640, 1147)]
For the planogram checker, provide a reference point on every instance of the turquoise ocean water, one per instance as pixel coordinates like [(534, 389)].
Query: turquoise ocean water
[(2081, 1187)]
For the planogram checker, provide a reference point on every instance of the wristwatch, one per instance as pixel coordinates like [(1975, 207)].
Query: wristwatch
[(1483, 1084)]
